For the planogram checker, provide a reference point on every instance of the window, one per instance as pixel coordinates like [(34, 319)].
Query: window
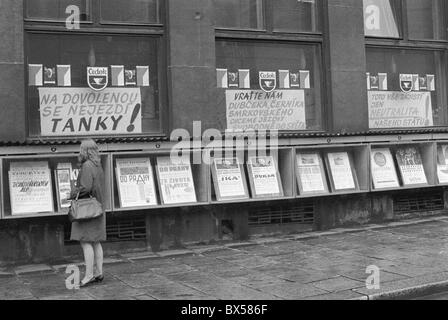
[(426, 19), (274, 80), (60, 102), (382, 18)]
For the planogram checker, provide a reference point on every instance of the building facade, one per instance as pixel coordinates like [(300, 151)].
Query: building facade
[(350, 98)]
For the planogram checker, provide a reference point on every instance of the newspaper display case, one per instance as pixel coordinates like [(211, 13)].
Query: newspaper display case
[(199, 172), (415, 164), (48, 196), (283, 162), (357, 156)]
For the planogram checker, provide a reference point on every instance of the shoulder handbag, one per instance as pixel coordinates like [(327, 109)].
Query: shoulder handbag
[(85, 209)]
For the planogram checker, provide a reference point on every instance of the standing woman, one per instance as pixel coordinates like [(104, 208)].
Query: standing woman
[(90, 233)]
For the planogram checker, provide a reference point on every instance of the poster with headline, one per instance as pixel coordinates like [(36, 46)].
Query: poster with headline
[(82, 111), (384, 174), (411, 166), (310, 175), (30, 187), (259, 110), (63, 187), (229, 178), (264, 177), (341, 171), (394, 109), (175, 180), (135, 182), (442, 163)]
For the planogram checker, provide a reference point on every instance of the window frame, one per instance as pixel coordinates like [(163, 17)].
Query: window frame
[(298, 38), (95, 27)]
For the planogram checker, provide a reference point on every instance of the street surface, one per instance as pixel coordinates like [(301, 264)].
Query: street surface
[(326, 265)]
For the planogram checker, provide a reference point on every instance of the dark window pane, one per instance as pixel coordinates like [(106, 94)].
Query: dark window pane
[(56, 9), (269, 56), (426, 19), (137, 11), (239, 14), (81, 51), (382, 18), (427, 94), (297, 15)]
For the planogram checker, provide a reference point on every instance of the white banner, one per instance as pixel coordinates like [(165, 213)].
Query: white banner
[(394, 109), (259, 110), (81, 111)]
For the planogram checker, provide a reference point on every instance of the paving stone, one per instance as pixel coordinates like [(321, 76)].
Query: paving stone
[(112, 290), (257, 280), (33, 268), (13, 289), (144, 297), (172, 253), (140, 280), (340, 295), (293, 291), (337, 284), (76, 295)]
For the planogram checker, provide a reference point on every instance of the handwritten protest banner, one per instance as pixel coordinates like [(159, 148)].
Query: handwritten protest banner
[(81, 111), (259, 110), (394, 109)]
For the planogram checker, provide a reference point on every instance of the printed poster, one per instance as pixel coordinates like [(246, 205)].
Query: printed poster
[(394, 109), (383, 169), (411, 166), (135, 182), (259, 110), (176, 180), (442, 163), (30, 187), (228, 179), (264, 176), (82, 111), (341, 171), (310, 173), (64, 187)]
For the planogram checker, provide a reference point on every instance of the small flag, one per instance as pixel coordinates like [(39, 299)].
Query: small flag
[(143, 76), (117, 76), (64, 75), (415, 82), (35, 75), (431, 82), (305, 79), (234, 81), (244, 78), (294, 80), (49, 75), (374, 82), (382, 81), (283, 76), (423, 83), (130, 77), (221, 78), (368, 80)]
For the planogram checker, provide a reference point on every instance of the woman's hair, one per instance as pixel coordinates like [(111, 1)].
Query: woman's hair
[(89, 151)]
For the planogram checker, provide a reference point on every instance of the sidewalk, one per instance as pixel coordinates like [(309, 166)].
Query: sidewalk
[(412, 257)]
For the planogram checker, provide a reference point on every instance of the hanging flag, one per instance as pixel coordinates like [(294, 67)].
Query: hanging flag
[(244, 78), (423, 83), (233, 81), (374, 82), (143, 76), (294, 80), (117, 76), (305, 79), (415, 82), (130, 77), (64, 75), (382, 81), (283, 79), (221, 78), (431, 83), (35, 75), (49, 75)]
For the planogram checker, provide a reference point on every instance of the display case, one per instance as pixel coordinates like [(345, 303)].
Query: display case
[(271, 186), (199, 174), (415, 164), (30, 184), (336, 162)]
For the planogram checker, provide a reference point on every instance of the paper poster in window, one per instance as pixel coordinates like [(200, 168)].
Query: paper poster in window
[(310, 173), (176, 180), (63, 187), (341, 171), (229, 179), (411, 166), (30, 187), (442, 163), (264, 177), (383, 169), (135, 182)]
